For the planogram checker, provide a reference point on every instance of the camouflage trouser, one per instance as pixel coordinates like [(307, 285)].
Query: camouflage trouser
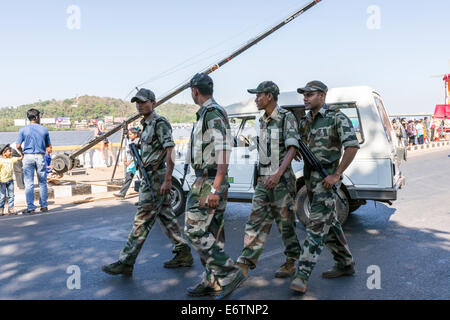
[(267, 206), (148, 211), (204, 228), (323, 229)]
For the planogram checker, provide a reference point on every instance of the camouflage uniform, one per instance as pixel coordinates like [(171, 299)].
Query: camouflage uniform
[(325, 135), (156, 137), (276, 204), (204, 226)]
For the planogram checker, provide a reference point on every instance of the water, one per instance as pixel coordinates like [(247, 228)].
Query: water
[(70, 138)]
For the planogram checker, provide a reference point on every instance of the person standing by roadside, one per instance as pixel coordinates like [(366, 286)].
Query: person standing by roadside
[(35, 139), (404, 134), (432, 128), (398, 131), (426, 123), (420, 131), (104, 144), (442, 127), (411, 132), (6, 178), (128, 162)]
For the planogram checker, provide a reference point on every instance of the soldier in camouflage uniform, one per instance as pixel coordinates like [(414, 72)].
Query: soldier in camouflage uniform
[(276, 188), (156, 147), (325, 131), (208, 154)]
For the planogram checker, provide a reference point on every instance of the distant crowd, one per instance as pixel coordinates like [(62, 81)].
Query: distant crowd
[(416, 132)]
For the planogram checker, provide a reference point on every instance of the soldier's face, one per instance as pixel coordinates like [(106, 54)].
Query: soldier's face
[(145, 108), (313, 100), (262, 100)]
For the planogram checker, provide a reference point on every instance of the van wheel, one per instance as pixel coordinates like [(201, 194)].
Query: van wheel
[(303, 210), (355, 204), (177, 198)]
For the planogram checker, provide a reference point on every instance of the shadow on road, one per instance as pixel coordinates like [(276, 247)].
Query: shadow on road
[(36, 251)]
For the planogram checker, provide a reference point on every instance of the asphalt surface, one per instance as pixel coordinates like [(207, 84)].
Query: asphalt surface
[(409, 242)]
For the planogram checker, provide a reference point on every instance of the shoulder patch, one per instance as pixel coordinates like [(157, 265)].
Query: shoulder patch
[(211, 109), (161, 118)]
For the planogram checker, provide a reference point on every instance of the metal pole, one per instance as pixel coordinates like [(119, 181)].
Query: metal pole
[(209, 70), (118, 152)]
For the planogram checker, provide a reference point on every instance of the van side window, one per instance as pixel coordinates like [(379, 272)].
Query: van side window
[(352, 112), (384, 118)]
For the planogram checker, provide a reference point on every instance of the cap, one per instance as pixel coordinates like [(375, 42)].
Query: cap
[(266, 87), (201, 80), (3, 147), (144, 95), (313, 86)]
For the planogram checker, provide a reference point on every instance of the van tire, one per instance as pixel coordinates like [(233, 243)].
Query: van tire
[(302, 207), (355, 204), (178, 198)]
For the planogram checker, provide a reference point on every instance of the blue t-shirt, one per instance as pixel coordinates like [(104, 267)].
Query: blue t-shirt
[(35, 138), (48, 161), (132, 166)]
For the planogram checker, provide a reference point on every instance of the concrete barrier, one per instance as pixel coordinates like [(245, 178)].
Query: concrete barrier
[(67, 191), (428, 146)]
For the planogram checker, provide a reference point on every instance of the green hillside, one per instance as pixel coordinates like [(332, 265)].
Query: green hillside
[(91, 107)]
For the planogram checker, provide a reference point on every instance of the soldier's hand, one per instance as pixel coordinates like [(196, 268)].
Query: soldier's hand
[(272, 182), (213, 200), (298, 156), (330, 181), (166, 186)]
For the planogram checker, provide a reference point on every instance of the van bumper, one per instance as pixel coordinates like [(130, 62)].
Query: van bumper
[(372, 193), (378, 194)]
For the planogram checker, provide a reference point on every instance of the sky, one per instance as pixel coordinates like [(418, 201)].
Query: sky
[(394, 46)]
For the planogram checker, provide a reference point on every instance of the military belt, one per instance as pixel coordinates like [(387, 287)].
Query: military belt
[(211, 173)]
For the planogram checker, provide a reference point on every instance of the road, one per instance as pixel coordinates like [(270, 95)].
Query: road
[(409, 243)]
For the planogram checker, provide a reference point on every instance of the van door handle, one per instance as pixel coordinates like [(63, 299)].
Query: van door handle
[(246, 156)]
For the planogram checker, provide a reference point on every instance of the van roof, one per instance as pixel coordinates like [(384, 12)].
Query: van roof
[(292, 98)]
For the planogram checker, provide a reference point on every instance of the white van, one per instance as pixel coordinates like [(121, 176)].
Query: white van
[(373, 175)]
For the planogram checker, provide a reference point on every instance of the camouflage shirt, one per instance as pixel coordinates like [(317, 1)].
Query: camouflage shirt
[(327, 133), (275, 140), (155, 138), (211, 133)]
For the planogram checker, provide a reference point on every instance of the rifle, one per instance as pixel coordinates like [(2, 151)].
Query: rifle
[(140, 165), (315, 164), (186, 167)]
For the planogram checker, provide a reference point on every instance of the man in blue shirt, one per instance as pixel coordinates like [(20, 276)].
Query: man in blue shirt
[(35, 139)]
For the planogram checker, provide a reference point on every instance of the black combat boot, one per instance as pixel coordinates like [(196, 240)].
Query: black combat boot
[(336, 272), (117, 268), (183, 258)]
